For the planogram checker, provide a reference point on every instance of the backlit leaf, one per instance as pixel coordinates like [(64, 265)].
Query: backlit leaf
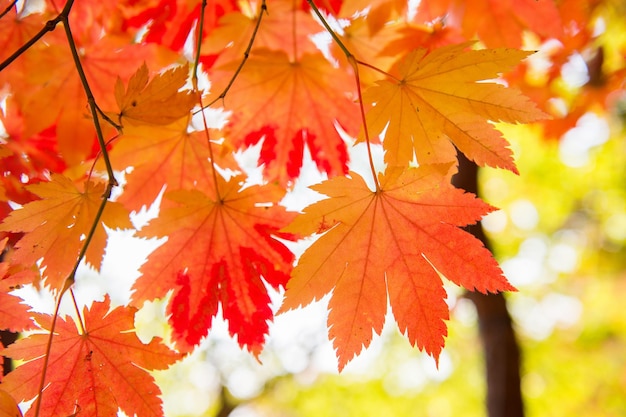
[(391, 244), (92, 371), (156, 102), (444, 98), (219, 251), (56, 225), (289, 105)]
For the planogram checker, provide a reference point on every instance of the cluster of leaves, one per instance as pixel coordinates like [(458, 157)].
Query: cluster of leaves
[(95, 88)]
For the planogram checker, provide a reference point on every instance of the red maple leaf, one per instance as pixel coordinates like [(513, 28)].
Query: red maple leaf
[(217, 251), (290, 104), (92, 371)]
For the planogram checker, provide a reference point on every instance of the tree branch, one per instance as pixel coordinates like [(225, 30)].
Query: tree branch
[(501, 350)]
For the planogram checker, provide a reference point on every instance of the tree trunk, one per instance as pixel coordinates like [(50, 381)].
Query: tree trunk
[(502, 355), (6, 338)]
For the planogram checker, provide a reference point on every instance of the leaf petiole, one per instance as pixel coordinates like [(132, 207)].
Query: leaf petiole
[(354, 63), (246, 54)]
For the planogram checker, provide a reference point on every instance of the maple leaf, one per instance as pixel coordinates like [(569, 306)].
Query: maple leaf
[(103, 60), (230, 40), (439, 99), (13, 313), (8, 406), (16, 29), (497, 22), (156, 102), (394, 242), (290, 104), (217, 251), (502, 23), (55, 226), (429, 36), (169, 22), (29, 159), (91, 371), (164, 155)]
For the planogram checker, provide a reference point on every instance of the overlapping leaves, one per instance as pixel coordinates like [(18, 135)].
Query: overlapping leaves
[(92, 371), (440, 99), (220, 251), (390, 244), (55, 226)]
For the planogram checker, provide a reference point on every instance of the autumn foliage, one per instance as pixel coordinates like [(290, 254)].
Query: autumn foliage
[(169, 91)]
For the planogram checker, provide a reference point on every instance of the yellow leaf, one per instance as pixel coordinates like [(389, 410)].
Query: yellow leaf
[(156, 102), (56, 225), (444, 98)]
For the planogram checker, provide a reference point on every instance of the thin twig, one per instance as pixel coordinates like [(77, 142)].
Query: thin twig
[(80, 319), (199, 94), (330, 30), (92, 106), (63, 17), (8, 9), (385, 73), (46, 358), (354, 63), (49, 27), (196, 61), (246, 54)]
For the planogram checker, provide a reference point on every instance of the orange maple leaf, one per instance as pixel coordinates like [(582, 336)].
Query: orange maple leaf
[(497, 22), (290, 104), (56, 95), (217, 251), (441, 98), (393, 243), (55, 226), (231, 38), (156, 102), (8, 406), (164, 155), (91, 371), (13, 313), (502, 23)]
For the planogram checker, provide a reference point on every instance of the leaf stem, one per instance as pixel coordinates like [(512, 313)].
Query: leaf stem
[(354, 63), (92, 103), (46, 358), (108, 119), (48, 27), (8, 9), (92, 231), (195, 88), (80, 319), (246, 54), (196, 61), (385, 73)]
